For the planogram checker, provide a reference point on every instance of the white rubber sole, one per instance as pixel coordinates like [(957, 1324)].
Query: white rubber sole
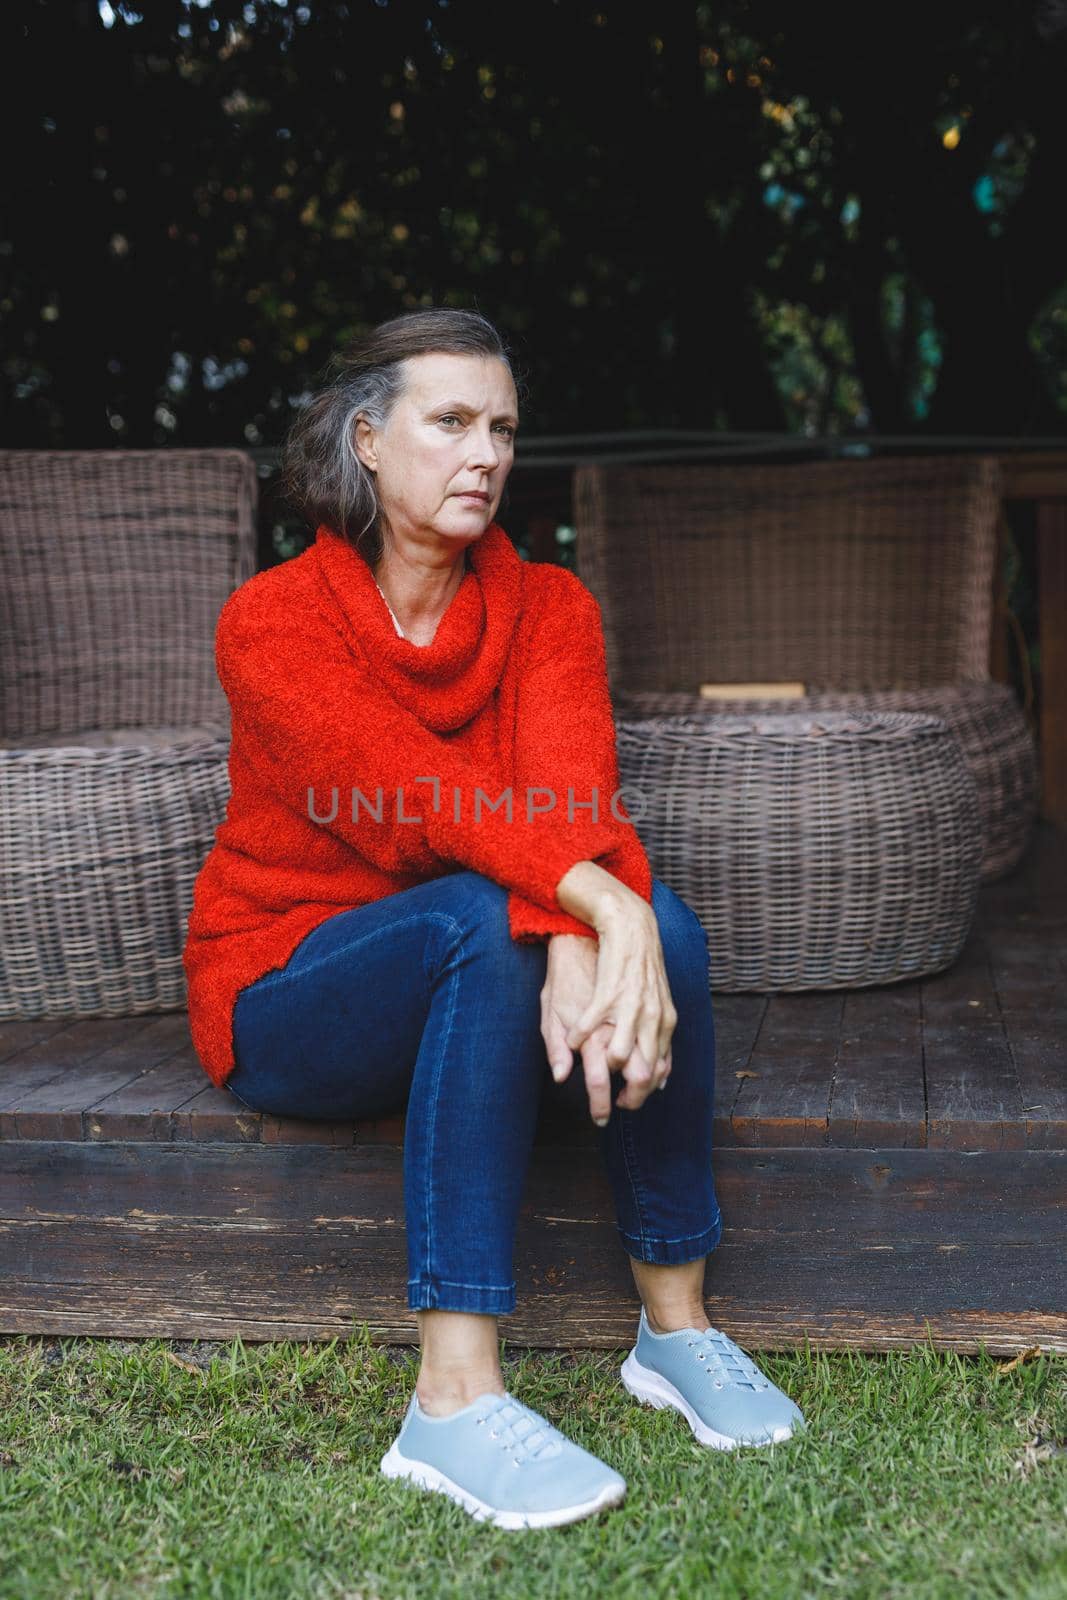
[(656, 1390), (396, 1465)]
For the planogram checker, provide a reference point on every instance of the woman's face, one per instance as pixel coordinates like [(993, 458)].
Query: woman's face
[(443, 456)]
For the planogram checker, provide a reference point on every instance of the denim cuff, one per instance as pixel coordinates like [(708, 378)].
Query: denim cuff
[(672, 1252), (438, 1294)]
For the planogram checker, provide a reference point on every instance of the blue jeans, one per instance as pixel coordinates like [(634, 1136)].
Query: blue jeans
[(422, 1002)]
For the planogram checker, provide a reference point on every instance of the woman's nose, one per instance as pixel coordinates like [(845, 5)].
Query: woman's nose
[(483, 450)]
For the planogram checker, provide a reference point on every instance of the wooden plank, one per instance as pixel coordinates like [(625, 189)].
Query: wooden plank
[(965, 994), (17, 1037), (55, 1108), (878, 1101), (784, 1100), (542, 1321), (145, 1106), (972, 1092), (215, 1115), (873, 1249), (878, 1096), (1028, 989), (1028, 963), (809, 1021), (784, 1096), (1038, 1044), (738, 1020), (61, 1058)]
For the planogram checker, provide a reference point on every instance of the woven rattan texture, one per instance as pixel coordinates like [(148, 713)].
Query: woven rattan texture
[(99, 852), (115, 566), (846, 574), (114, 743), (986, 719), (870, 582), (826, 851)]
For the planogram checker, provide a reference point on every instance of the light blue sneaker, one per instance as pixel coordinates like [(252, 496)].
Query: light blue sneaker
[(720, 1391), (503, 1463)]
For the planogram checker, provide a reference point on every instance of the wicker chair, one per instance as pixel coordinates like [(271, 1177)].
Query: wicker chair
[(870, 582), (114, 731)]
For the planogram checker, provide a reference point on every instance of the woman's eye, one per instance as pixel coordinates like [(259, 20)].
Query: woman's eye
[(506, 430)]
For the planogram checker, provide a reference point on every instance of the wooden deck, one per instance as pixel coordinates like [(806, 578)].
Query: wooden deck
[(891, 1165)]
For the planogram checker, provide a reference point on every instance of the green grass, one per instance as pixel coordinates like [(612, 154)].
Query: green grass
[(252, 1470)]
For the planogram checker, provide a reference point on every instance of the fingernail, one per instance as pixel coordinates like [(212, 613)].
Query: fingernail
[(601, 1122), (557, 1070), (662, 1085)]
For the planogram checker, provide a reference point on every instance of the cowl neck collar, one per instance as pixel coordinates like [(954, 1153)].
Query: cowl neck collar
[(444, 683)]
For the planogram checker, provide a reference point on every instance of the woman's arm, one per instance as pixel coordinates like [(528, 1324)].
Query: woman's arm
[(594, 895), (616, 1009), (565, 739)]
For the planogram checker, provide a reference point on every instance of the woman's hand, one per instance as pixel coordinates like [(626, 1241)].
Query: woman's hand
[(592, 994)]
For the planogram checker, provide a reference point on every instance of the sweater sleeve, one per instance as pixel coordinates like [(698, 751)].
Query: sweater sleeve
[(311, 720), (566, 740)]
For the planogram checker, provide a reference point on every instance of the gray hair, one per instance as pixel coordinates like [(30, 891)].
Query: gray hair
[(322, 474)]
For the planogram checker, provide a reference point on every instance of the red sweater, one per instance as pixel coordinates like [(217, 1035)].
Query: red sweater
[(325, 697)]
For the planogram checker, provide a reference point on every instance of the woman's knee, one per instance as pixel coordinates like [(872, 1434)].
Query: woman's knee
[(477, 904), (477, 908), (686, 952)]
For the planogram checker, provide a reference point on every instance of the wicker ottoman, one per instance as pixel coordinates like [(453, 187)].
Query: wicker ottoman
[(986, 718), (821, 851)]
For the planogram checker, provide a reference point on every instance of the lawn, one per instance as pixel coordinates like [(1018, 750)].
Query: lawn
[(210, 1470)]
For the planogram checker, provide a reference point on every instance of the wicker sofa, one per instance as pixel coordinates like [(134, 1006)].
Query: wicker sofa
[(869, 582), (114, 731)]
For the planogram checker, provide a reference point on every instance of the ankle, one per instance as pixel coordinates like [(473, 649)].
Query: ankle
[(667, 1320), (441, 1396)]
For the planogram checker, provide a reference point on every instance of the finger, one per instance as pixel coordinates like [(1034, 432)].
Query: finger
[(639, 1071), (648, 1042), (639, 1075), (579, 1031), (629, 1097), (560, 1055), (597, 1080), (623, 1042), (668, 1023), (598, 1014), (663, 1069), (660, 1074)]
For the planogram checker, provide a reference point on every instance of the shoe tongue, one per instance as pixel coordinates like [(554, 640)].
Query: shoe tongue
[(738, 1367), (527, 1430)]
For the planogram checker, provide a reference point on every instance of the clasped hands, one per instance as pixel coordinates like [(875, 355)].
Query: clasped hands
[(610, 1001)]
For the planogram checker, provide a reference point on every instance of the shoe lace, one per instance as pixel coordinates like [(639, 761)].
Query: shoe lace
[(521, 1432), (727, 1361)]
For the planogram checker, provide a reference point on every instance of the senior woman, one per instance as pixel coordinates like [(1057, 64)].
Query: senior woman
[(427, 895)]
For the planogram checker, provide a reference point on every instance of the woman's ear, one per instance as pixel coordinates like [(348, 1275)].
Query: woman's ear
[(365, 444)]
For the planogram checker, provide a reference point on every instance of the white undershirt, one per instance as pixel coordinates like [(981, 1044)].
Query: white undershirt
[(390, 610)]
